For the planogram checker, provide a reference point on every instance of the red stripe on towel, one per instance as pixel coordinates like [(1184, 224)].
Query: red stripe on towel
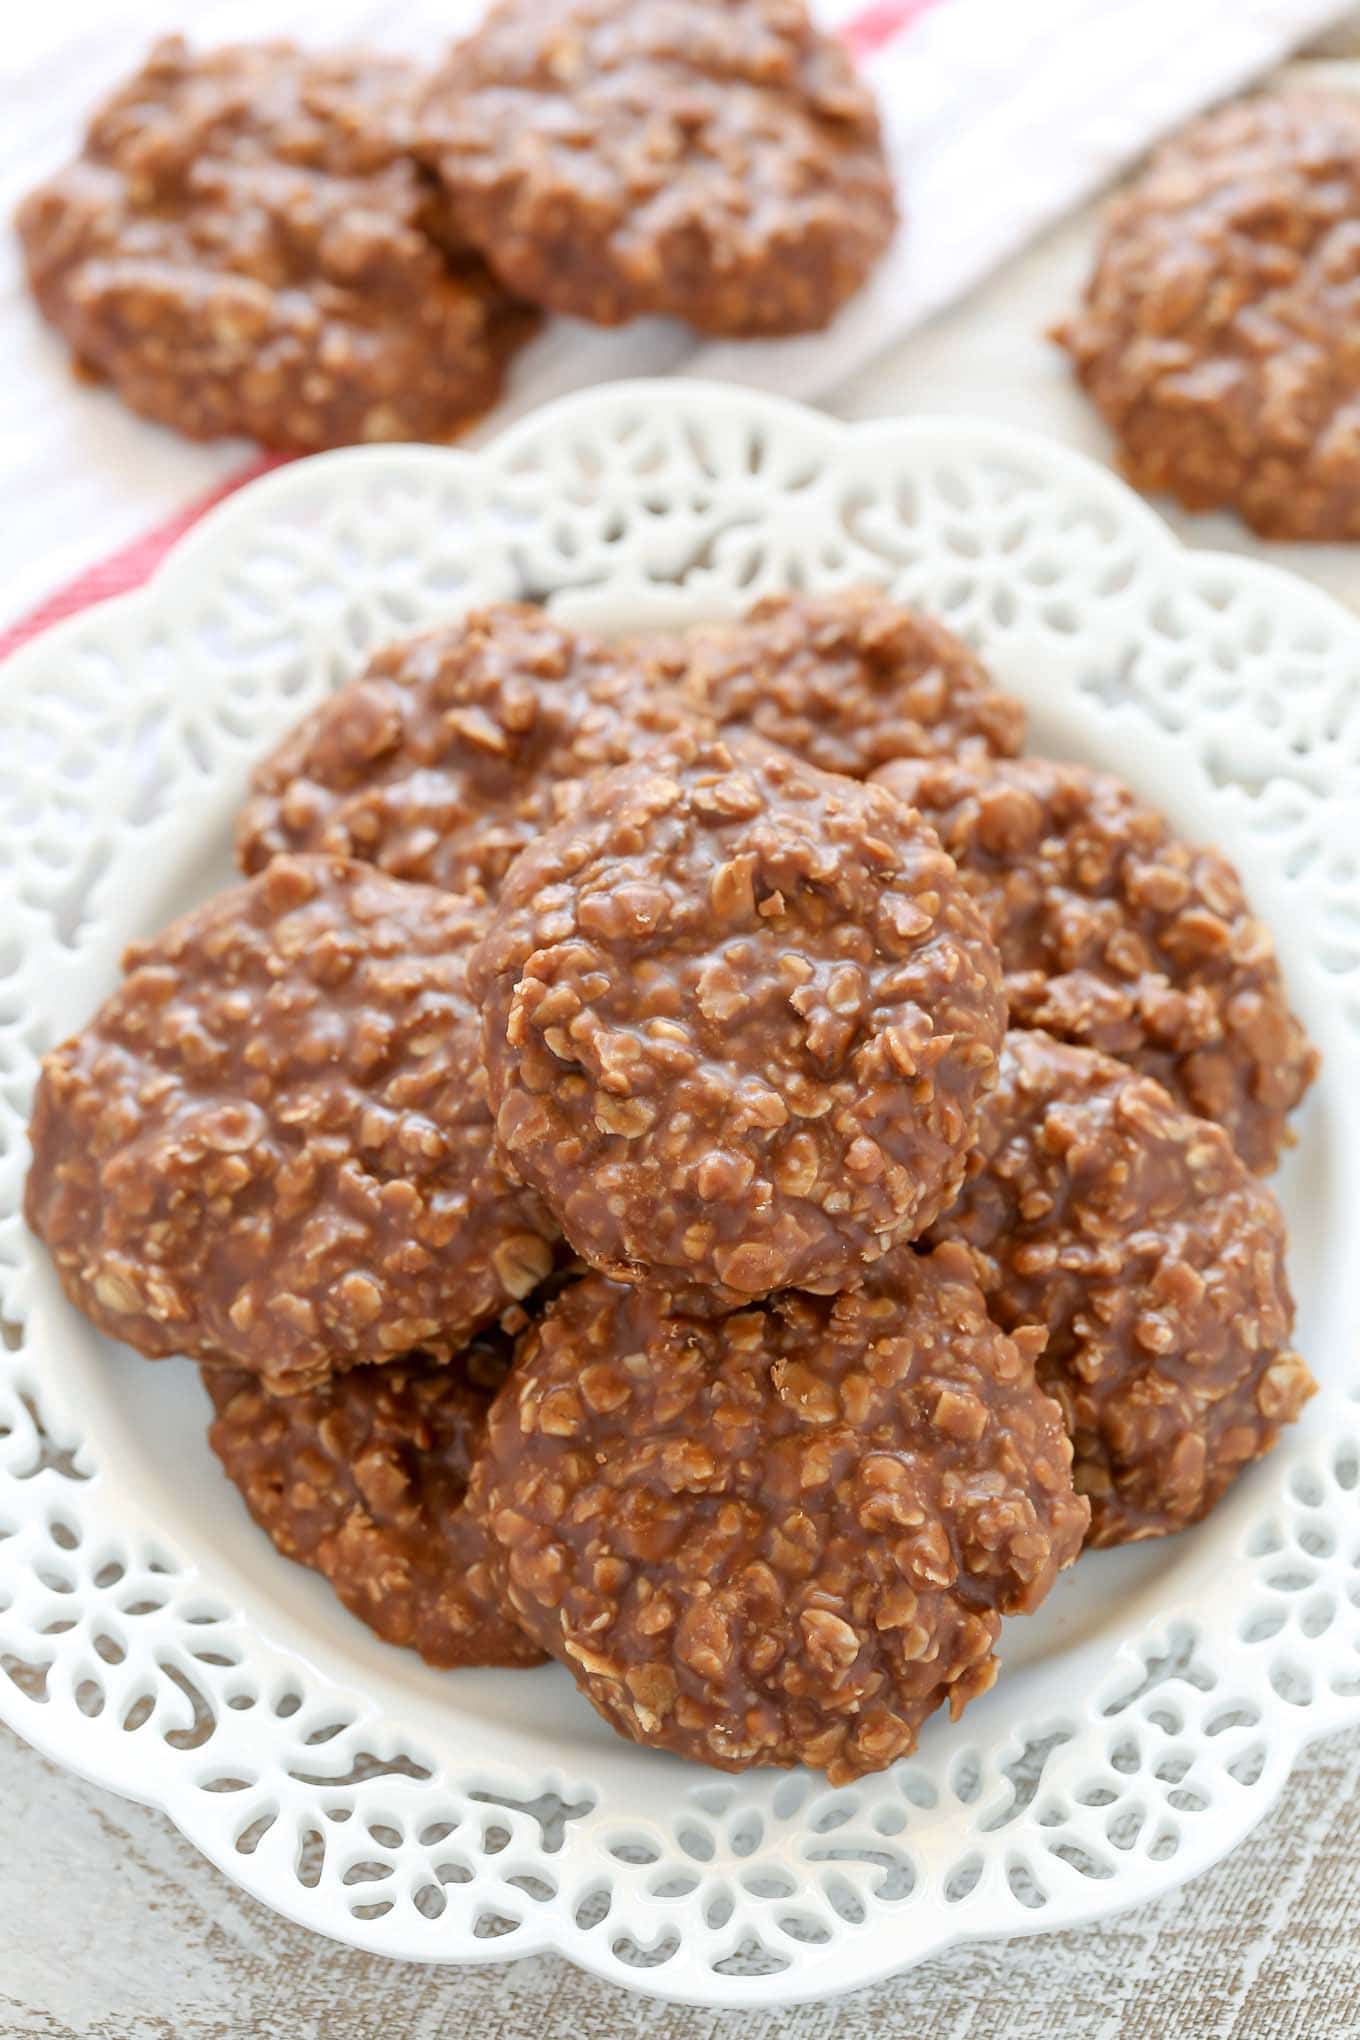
[(881, 22), (130, 565), (866, 33)]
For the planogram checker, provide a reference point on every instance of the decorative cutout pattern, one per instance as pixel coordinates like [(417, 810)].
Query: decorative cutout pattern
[(1156, 1721)]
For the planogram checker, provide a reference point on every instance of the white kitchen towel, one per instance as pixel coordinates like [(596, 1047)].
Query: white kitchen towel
[(1000, 115)]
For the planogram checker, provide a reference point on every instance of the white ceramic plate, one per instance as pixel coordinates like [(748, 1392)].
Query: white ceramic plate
[(149, 1635)]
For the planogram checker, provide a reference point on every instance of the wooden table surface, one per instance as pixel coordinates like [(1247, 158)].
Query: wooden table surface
[(113, 1928), (116, 1929)]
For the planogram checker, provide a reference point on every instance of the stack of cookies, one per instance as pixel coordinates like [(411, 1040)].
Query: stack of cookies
[(319, 248), (693, 1157)]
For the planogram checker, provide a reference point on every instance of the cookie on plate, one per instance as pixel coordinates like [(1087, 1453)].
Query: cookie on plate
[(245, 245), (613, 158), (1217, 333), (1101, 1211), (364, 1478), (739, 1017), (272, 1148), (848, 681), (457, 748), (785, 1536), (1116, 934)]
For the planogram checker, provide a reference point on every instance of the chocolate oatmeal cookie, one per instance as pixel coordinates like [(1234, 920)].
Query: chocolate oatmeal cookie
[(271, 1147), (457, 748), (364, 1480), (784, 1536), (848, 681), (1115, 934), (613, 158), (739, 1016), (1217, 332), (245, 245), (1099, 1209)]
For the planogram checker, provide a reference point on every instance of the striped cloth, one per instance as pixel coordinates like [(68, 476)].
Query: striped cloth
[(1000, 115)]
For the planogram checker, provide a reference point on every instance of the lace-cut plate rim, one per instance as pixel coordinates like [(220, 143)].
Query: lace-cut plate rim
[(150, 1638)]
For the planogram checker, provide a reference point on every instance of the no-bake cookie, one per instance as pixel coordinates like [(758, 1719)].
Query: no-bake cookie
[(271, 1147), (246, 245), (1101, 1211), (458, 747), (784, 1536), (848, 681), (364, 1479), (739, 1017), (1116, 934), (612, 158), (1218, 331)]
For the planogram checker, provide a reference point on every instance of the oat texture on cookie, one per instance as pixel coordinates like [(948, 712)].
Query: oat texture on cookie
[(457, 748), (739, 1017), (1216, 334), (614, 158), (783, 1536), (271, 1147), (245, 244), (848, 681), (1116, 934), (364, 1478), (1101, 1211)]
